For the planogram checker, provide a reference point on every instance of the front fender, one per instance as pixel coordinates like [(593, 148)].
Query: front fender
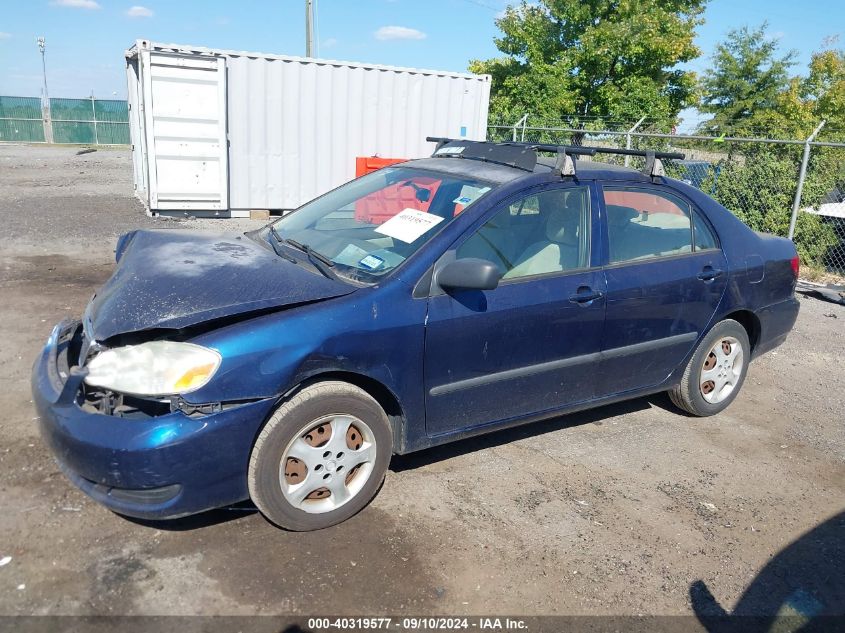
[(376, 335)]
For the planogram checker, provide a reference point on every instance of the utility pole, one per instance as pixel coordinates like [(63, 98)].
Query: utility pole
[(309, 27), (45, 102)]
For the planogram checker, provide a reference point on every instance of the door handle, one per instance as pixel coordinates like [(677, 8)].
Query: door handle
[(585, 295), (709, 273)]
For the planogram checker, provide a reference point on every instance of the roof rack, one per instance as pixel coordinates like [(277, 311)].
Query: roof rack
[(519, 155), (653, 166), (511, 156), (503, 153), (566, 154)]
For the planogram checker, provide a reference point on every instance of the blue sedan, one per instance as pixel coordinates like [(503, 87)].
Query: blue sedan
[(440, 298)]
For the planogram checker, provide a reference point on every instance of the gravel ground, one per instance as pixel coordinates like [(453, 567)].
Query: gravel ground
[(626, 509)]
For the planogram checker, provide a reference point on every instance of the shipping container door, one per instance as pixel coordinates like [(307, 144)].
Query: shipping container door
[(137, 134), (185, 115)]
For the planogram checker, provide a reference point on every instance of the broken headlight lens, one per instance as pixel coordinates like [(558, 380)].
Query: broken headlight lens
[(157, 368)]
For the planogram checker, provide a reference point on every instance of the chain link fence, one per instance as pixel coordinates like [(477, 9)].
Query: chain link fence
[(74, 121), (760, 180)]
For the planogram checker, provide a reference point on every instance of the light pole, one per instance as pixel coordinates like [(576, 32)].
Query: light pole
[(309, 27), (45, 102), (42, 46)]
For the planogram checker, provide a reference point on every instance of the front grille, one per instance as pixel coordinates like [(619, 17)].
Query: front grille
[(105, 402)]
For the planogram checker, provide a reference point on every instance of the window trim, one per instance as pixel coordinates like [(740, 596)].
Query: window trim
[(523, 195), (653, 190), (656, 258)]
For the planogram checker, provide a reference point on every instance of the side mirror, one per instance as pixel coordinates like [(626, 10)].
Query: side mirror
[(469, 274)]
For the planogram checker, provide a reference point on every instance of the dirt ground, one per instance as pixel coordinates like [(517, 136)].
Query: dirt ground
[(627, 509)]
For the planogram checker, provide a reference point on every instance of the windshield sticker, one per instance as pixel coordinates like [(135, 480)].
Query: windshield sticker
[(450, 150), (350, 255), (470, 194), (372, 262), (408, 225)]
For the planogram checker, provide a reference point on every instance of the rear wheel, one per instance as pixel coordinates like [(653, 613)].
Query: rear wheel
[(716, 371), (320, 458)]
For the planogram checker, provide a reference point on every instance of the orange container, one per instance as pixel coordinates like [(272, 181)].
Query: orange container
[(365, 164), (382, 205)]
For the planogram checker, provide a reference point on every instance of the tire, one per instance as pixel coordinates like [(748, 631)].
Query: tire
[(320, 458), (712, 360)]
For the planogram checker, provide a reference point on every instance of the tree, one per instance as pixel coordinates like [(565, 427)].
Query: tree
[(798, 109), (746, 79), (806, 101), (614, 59)]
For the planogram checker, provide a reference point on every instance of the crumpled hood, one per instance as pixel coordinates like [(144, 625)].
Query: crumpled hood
[(174, 279)]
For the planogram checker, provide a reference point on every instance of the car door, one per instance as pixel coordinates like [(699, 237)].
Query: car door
[(665, 276), (530, 344)]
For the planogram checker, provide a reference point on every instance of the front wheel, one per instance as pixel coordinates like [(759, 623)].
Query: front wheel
[(320, 458), (716, 371)]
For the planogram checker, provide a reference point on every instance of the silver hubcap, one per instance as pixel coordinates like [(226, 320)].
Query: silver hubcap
[(327, 463), (721, 370)]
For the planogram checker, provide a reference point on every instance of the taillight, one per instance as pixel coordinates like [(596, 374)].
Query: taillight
[(795, 266)]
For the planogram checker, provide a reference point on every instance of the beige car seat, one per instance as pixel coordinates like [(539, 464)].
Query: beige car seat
[(559, 251)]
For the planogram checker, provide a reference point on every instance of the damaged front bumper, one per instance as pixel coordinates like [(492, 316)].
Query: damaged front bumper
[(161, 467)]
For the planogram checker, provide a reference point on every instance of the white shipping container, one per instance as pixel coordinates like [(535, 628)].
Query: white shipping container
[(219, 132)]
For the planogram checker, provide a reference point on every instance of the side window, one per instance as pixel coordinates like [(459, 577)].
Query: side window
[(644, 223), (525, 206), (704, 238), (543, 233)]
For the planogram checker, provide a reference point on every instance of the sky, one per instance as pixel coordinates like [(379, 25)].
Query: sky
[(86, 38)]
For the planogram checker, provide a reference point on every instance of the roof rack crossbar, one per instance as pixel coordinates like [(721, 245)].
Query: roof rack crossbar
[(440, 140), (653, 166), (639, 152), (572, 150)]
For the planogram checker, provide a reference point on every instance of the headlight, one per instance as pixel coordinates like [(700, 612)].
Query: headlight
[(157, 368)]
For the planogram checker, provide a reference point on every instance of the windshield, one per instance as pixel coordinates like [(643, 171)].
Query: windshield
[(371, 225)]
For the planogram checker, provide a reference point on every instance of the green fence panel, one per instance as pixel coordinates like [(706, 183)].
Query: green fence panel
[(111, 110), (20, 108), (22, 130), (82, 121), (112, 133), (20, 119), (74, 121), (72, 110), (73, 132)]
